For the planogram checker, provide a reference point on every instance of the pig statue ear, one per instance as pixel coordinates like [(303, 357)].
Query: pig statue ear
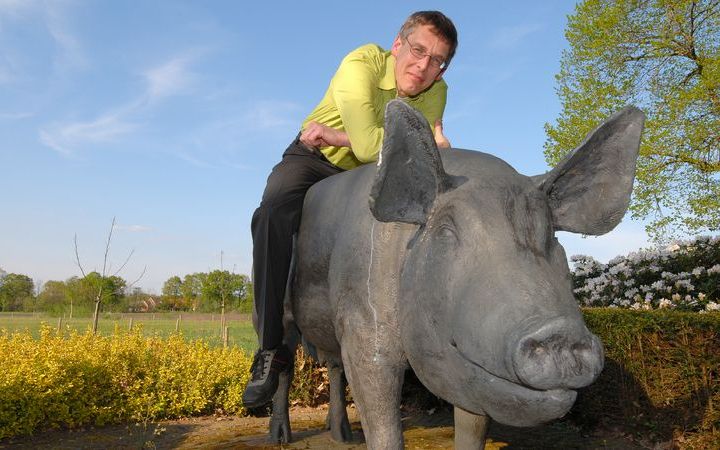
[(589, 190), (409, 170)]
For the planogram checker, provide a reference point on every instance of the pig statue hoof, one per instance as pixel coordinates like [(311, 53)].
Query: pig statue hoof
[(339, 427), (280, 429)]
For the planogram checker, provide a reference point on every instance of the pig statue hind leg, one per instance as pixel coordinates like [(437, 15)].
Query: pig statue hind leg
[(280, 430), (337, 420)]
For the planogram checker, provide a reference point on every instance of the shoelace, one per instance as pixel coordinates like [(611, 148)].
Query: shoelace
[(260, 365)]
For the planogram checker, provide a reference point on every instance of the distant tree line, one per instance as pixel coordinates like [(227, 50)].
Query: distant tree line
[(204, 292), (208, 292)]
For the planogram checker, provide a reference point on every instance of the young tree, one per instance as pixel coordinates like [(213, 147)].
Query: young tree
[(663, 56), (106, 287)]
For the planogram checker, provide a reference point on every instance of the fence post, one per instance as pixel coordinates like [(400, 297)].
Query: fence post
[(59, 324), (131, 324), (177, 323), (225, 337)]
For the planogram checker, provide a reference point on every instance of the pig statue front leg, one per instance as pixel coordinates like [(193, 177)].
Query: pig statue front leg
[(376, 383), (470, 430)]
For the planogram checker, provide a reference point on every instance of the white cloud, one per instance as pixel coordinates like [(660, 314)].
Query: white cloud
[(51, 16), (508, 37), (195, 161), (224, 142), (169, 78), (69, 49), (164, 80), (15, 115), (268, 114), (13, 8), (133, 228), (68, 139)]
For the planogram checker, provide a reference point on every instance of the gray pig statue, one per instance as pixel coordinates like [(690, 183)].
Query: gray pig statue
[(447, 261)]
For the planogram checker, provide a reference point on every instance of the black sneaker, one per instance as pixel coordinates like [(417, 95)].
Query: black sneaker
[(263, 383)]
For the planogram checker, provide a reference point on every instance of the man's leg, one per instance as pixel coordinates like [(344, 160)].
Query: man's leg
[(273, 224)]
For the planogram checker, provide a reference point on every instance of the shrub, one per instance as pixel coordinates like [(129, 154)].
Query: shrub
[(685, 277), (85, 379), (661, 378)]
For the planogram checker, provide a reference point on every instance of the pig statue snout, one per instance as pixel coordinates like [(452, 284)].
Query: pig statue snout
[(559, 354)]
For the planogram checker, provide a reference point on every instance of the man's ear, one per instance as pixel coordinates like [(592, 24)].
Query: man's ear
[(439, 75), (396, 46)]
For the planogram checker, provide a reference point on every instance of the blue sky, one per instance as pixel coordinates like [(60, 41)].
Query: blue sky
[(169, 115)]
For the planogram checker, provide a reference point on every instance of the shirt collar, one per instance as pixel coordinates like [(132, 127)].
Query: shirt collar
[(387, 82)]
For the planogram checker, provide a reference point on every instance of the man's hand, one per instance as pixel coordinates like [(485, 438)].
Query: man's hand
[(440, 139), (318, 135)]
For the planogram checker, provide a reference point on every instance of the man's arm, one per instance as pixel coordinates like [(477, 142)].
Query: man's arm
[(318, 135), (353, 90), (440, 139)]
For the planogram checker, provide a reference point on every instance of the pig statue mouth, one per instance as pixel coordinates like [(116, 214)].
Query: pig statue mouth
[(507, 401)]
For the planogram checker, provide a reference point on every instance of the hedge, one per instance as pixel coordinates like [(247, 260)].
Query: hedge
[(661, 379)]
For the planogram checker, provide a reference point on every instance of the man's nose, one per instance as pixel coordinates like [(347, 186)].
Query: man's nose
[(423, 63)]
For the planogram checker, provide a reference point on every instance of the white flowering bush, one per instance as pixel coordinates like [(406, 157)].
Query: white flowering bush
[(684, 276)]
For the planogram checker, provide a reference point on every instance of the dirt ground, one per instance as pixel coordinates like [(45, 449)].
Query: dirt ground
[(422, 430)]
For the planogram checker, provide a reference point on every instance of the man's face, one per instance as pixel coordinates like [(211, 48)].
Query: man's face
[(415, 74)]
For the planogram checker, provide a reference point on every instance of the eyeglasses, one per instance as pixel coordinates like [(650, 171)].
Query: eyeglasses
[(419, 52)]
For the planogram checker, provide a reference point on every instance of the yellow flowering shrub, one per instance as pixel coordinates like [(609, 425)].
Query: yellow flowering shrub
[(82, 379)]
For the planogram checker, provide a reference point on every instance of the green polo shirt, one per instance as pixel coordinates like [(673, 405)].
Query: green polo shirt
[(355, 103)]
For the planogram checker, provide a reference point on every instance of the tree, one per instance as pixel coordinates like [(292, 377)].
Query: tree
[(15, 291), (663, 56), (172, 295), (192, 287), (224, 290), (53, 296), (172, 287), (111, 289)]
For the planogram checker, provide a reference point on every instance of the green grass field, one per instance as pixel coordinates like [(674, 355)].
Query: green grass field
[(191, 325)]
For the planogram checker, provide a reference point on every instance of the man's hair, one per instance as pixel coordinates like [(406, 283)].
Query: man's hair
[(441, 24)]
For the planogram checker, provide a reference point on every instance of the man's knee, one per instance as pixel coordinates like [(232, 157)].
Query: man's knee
[(278, 216)]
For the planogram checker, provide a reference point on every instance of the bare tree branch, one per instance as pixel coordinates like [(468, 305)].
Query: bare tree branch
[(77, 257), (107, 246), (138, 278), (125, 263)]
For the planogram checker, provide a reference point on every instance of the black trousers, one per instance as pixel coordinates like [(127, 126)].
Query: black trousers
[(273, 225)]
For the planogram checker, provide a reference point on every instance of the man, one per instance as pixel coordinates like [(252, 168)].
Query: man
[(344, 131)]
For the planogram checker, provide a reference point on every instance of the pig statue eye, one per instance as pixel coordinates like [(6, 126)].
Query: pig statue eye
[(446, 230)]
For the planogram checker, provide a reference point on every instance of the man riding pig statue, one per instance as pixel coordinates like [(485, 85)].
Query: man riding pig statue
[(446, 261)]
